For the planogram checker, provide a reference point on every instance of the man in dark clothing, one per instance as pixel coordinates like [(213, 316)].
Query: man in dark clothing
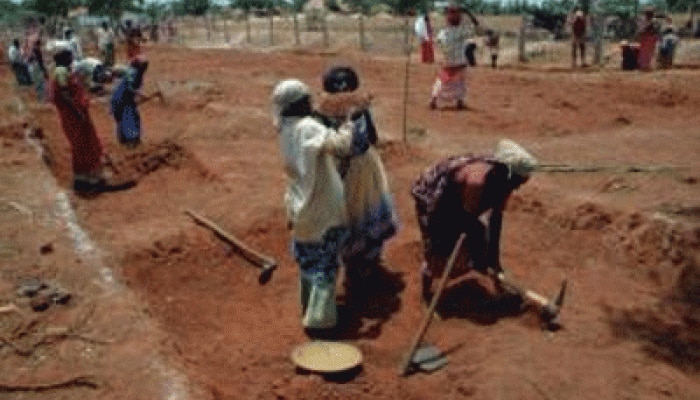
[(578, 43)]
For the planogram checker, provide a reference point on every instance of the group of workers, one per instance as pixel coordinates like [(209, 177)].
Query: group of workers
[(653, 39), (74, 76), (338, 202), (340, 210), (458, 46)]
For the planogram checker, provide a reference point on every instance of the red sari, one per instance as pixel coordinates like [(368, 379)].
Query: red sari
[(647, 47), (86, 147), (426, 46)]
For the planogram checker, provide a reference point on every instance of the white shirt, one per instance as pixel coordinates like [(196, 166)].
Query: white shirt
[(452, 40), (74, 44), (315, 196), (104, 37), (421, 28), (13, 54)]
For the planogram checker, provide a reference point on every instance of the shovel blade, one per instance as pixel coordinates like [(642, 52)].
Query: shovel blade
[(428, 358)]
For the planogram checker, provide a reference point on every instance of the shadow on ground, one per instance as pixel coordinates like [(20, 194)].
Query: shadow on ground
[(670, 330)]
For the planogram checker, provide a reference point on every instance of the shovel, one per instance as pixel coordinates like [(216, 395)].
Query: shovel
[(429, 358)]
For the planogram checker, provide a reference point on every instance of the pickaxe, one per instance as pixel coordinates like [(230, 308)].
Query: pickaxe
[(265, 263), (549, 308), (145, 98)]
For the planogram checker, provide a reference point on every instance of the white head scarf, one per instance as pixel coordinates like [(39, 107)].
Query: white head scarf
[(518, 160), (285, 93)]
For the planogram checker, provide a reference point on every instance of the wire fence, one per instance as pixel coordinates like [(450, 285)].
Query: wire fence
[(381, 35)]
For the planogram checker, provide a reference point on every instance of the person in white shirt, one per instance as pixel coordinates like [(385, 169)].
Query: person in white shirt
[(73, 43), (19, 66), (315, 196), (105, 43), (424, 31), (450, 84)]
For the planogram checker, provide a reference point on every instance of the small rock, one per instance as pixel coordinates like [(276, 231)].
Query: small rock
[(30, 287), (46, 249), (40, 302), (58, 295)]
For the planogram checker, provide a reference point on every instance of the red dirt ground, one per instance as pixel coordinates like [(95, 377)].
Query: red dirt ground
[(628, 243)]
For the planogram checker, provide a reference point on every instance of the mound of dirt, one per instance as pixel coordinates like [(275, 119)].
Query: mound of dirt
[(587, 216), (13, 129), (150, 158), (643, 241)]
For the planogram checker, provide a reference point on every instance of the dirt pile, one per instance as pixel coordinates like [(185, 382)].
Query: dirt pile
[(13, 129), (150, 158)]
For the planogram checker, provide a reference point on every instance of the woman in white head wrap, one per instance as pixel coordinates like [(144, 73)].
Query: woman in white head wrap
[(315, 198), (454, 196)]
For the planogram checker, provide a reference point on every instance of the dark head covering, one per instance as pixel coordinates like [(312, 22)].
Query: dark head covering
[(340, 78), (453, 14), (63, 57)]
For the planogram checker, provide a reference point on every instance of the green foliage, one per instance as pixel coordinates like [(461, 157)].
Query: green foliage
[(112, 8), (191, 7), (252, 4), (154, 10), (363, 6), (404, 6), (50, 7)]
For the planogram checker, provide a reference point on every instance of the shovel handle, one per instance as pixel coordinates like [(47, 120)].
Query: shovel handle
[(428, 318)]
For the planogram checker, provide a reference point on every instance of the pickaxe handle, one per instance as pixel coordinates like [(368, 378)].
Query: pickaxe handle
[(144, 99), (265, 263)]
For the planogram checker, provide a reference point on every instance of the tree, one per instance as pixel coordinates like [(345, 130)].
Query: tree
[(192, 7), (51, 7), (112, 8), (402, 7)]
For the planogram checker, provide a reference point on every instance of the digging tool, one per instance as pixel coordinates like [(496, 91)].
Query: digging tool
[(265, 263), (410, 360), (146, 98), (549, 308)]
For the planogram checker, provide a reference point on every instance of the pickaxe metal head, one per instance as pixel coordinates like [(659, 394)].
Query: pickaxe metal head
[(551, 310)]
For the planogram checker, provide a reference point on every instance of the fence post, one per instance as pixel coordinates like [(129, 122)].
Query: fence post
[(363, 44), (207, 24), (227, 34), (598, 39), (247, 26), (272, 27), (297, 38), (521, 42), (326, 39)]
